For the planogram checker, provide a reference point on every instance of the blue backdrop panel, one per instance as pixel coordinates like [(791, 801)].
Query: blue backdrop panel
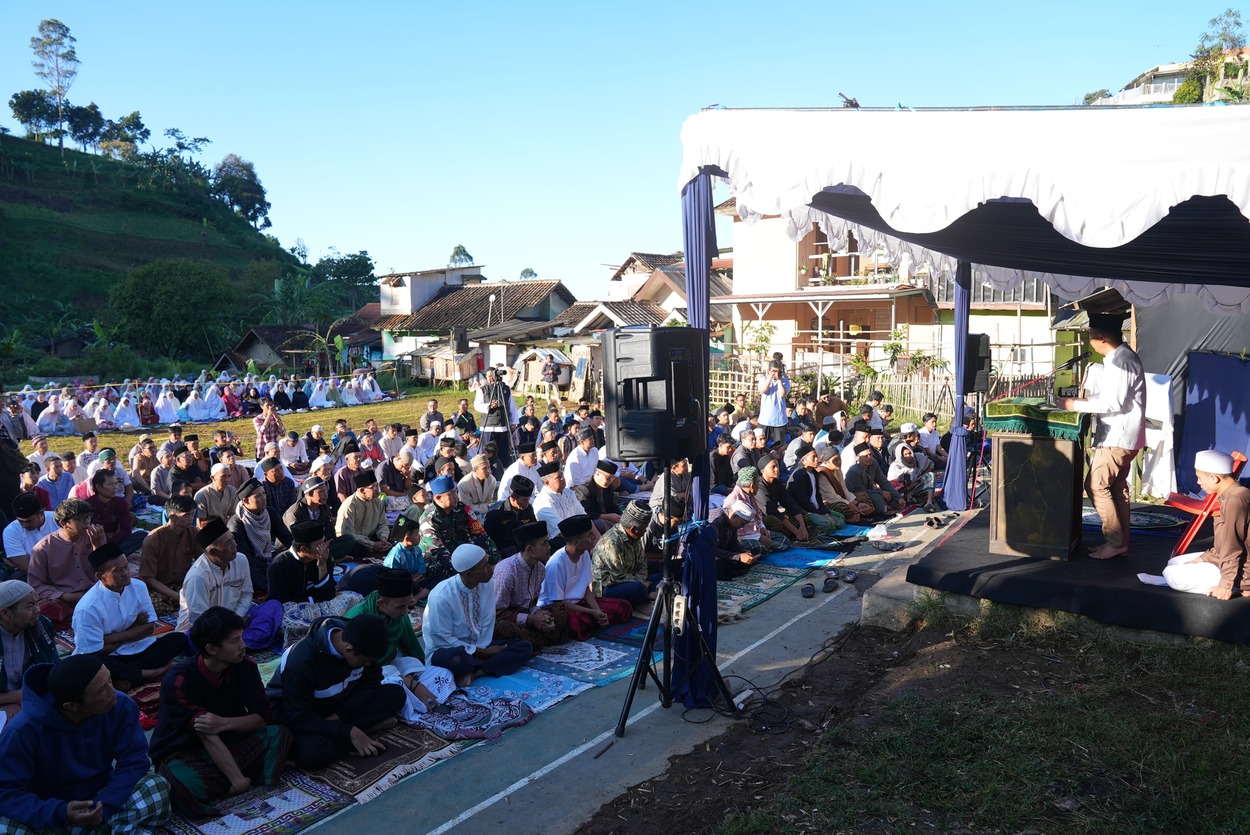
[(1217, 412)]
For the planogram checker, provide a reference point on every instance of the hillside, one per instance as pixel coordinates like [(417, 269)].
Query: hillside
[(70, 228)]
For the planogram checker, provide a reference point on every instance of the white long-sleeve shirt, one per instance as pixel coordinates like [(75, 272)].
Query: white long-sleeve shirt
[(102, 611), (516, 468), (206, 586), (1119, 401), (580, 466), (552, 508), (458, 616)]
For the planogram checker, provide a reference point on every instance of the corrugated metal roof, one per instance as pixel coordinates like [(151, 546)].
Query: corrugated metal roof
[(512, 330), (470, 305)]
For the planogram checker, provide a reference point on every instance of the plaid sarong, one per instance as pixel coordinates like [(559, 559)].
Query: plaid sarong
[(147, 808)]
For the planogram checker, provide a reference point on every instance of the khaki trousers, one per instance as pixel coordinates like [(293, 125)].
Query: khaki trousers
[(1107, 486)]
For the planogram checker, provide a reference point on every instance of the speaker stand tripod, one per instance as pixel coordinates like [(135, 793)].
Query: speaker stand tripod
[(670, 608)]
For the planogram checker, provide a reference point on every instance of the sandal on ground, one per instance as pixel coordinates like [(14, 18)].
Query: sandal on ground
[(849, 575), (808, 590), (831, 583)]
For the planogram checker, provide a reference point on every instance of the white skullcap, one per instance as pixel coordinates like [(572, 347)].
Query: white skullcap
[(759, 432), (13, 591), (1211, 461), (218, 468), (320, 461), (466, 556), (741, 509), (316, 428), (908, 428)]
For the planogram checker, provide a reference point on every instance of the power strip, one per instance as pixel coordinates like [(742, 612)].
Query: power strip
[(679, 614)]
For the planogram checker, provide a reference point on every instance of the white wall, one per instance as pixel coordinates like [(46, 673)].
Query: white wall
[(764, 257)]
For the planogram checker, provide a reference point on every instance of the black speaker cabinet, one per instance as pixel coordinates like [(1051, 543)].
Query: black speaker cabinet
[(977, 368), (1037, 482), (654, 385)]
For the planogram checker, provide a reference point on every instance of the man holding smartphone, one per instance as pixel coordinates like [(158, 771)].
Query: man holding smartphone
[(774, 388)]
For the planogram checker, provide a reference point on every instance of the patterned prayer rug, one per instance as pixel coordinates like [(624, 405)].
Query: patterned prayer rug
[(631, 632), (760, 583), (464, 718), (408, 751), (540, 690), (297, 802), (596, 661), (147, 697)]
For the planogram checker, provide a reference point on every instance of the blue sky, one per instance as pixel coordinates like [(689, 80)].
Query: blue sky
[(546, 134)]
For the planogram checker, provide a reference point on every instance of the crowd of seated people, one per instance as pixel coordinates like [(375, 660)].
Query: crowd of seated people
[(134, 404), (516, 539)]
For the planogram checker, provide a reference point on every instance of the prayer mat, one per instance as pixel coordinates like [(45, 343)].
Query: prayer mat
[(150, 517), (1142, 521), (297, 802), (267, 663), (464, 718), (408, 751), (147, 697), (65, 642), (631, 632), (800, 558), (759, 584), (596, 661), (540, 690)]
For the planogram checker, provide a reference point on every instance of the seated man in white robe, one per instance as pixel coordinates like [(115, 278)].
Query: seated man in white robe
[(459, 622)]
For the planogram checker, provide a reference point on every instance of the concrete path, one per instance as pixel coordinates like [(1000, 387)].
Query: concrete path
[(545, 777)]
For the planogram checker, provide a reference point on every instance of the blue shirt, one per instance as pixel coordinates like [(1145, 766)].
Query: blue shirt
[(409, 559), (773, 401)]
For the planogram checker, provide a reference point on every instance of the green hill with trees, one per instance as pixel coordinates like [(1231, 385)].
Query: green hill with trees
[(135, 247)]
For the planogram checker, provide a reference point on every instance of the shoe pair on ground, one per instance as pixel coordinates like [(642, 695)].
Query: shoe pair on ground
[(832, 576)]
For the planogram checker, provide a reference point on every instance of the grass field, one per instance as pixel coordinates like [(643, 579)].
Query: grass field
[(1022, 725), (407, 410)]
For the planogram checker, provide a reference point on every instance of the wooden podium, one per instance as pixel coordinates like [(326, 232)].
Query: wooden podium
[(1037, 482)]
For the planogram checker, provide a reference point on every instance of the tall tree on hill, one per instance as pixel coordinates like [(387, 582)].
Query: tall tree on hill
[(56, 63), (121, 138), (349, 275), (460, 257), (86, 124), (34, 110), (1224, 32), (236, 183), (173, 308)]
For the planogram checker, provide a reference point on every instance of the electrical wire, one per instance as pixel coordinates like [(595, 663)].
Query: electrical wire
[(762, 712)]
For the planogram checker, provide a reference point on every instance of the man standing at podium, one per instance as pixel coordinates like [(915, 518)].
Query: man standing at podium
[(1119, 403)]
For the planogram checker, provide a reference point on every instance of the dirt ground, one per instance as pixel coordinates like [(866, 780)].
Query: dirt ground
[(742, 767)]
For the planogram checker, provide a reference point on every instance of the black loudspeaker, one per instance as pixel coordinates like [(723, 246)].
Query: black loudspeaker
[(977, 359), (459, 340), (652, 381)]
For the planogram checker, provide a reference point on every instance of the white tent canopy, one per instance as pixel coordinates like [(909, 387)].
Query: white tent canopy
[(1101, 178)]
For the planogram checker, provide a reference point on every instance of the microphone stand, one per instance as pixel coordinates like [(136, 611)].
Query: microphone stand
[(1050, 393)]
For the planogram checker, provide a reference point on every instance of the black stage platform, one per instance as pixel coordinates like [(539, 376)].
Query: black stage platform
[(1105, 590)]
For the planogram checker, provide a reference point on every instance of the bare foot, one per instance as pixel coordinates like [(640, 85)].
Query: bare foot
[(465, 680), (1106, 552), (239, 788)]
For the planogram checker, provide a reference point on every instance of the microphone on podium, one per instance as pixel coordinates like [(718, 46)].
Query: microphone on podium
[(1070, 364)]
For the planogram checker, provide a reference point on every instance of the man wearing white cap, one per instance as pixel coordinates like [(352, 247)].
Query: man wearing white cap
[(217, 499), (1119, 402), (1219, 571), (734, 556), (459, 622)]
